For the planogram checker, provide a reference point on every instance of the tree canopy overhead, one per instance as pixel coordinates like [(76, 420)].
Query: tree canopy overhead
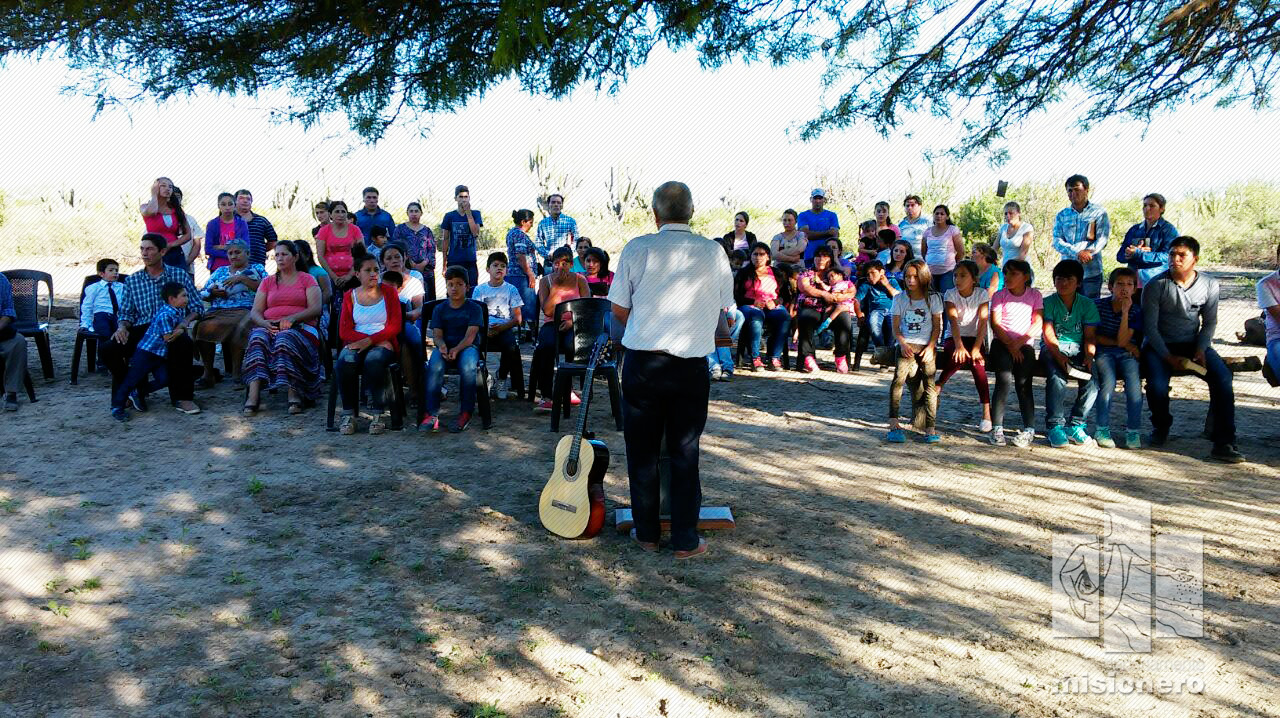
[(988, 65)]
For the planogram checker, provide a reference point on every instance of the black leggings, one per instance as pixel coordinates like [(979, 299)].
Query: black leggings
[(1008, 372), (808, 320)]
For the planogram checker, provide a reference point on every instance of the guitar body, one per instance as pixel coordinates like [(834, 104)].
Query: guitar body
[(572, 505)]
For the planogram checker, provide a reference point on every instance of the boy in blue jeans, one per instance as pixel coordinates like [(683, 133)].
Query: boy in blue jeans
[(455, 326), (149, 355), (1119, 337), (1070, 323)]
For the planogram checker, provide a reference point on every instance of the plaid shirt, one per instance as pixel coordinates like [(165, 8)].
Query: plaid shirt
[(261, 233), (165, 320), (142, 295), (241, 297), (421, 244), (552, 232)]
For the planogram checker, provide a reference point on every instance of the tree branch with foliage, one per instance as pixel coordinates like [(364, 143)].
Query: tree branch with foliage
[(988, 66)]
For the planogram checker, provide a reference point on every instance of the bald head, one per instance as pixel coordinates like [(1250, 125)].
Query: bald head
[(673, 202)]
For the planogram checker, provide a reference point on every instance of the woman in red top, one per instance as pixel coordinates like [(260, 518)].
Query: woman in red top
[(163, 215), (333, 246), (370, 329), (764, 295), (599, 278), (284, 348)]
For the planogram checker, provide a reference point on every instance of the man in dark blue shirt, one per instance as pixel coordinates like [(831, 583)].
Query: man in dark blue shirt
[(818, 224), (262, 236), (371, 215), (459, 231)]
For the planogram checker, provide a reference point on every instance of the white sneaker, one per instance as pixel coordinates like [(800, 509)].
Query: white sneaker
[(985, 426), (1024, 438), (716, 372), (997, 436), (490, 384), (503, 385)]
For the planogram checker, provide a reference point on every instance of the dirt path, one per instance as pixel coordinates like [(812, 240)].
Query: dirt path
[(217, 565)]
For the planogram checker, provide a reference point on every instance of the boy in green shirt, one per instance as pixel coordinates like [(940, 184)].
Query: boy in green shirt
[(1070, 320)]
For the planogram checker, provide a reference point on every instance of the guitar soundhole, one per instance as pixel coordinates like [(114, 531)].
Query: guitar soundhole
[(571, 468), (565, 507)]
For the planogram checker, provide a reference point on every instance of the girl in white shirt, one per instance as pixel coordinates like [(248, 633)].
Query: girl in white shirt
[(968, 308), (917, 322)]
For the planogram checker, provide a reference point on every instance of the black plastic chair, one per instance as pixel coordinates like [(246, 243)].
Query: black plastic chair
[(483, 406), (590, 320), (26, 304)]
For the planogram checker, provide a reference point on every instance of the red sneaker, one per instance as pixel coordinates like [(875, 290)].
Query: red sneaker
[(810, 364), (429, 423), (464, 420), (757, 364), (775, 364), (842, 365), (543, 406)]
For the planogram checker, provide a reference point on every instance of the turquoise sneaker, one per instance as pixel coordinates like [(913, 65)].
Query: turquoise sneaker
[(1058, 437), (1077, 435), (1103, 437), (1133, 439), (932, 438), (896, 436)]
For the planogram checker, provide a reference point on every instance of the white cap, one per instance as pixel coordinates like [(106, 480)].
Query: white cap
[(817, 192)]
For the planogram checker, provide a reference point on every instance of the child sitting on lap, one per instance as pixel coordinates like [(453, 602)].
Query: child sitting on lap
[(837, 283), (149, 356)]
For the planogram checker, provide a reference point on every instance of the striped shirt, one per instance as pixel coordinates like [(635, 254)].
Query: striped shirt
[(1109, 321), (142, 295), (261, 233), (165, 320)]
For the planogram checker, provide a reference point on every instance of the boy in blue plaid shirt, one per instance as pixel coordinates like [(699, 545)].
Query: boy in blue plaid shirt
[(149, 356)]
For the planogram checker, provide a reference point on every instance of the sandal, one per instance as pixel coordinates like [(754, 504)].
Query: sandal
[(700, 550), (249, 409), (647, 546), (295, 407)]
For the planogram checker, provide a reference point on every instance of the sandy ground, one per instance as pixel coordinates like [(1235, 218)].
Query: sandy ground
[(217, 565)]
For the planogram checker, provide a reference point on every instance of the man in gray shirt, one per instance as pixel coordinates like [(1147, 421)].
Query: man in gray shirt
[(1179, 316)]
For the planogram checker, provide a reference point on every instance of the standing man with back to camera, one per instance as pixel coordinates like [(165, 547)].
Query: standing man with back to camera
[(667, 294)]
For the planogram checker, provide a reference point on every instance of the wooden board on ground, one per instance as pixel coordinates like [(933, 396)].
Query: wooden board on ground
[(709, 518)]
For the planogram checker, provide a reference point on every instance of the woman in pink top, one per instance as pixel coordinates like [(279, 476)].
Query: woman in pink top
[(284, 348), (764, 295), (163, 215), (1016, 321), (940, 246), (561, 285), (333, 247)]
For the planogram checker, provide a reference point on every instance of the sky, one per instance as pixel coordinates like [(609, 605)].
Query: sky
[(729, 133)]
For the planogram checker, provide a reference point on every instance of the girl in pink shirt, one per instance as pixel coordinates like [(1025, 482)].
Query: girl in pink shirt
[(1016, 321)]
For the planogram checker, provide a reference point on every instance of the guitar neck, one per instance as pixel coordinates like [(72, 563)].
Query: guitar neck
[(581, 428)]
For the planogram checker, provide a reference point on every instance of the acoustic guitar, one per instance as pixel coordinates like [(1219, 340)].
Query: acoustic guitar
[(572, 502)]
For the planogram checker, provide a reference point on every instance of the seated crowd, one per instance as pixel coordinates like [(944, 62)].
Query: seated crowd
[(910, 293)]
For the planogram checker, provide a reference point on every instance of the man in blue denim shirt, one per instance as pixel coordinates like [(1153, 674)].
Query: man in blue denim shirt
[(1146, 245), (1081, 231)]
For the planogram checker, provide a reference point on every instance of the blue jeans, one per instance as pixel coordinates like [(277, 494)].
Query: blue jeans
[(1092, 287), (140, 365), (370, 365), (1055, 391), (1106, 366), (466, 364), (944, 281), (724, 355), (1273, 355), (1222, 401), (754, 321), (879, 323)]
